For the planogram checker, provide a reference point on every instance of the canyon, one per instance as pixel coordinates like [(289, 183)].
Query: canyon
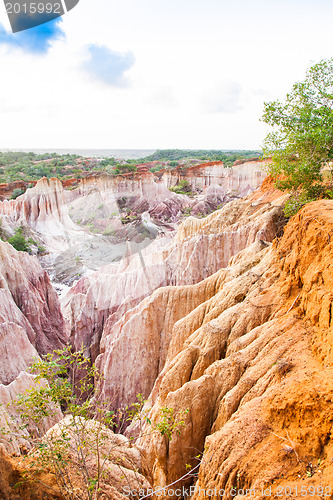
[(210, 303)]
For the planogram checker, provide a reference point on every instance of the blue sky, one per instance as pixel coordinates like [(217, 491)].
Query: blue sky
[(108, 66), (35, 40), (156, 73)]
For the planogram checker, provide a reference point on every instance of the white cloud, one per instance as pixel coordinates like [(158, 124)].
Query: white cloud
[(226, 97), (202, 71), (107, 66)]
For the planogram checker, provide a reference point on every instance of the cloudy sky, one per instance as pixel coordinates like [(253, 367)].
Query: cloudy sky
[(156, 73)]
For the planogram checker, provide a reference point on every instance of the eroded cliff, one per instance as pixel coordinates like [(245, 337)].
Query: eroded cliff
[(253, 367), (31, 324), (29, 305), (134, 345), (229, 323), (88, 224)]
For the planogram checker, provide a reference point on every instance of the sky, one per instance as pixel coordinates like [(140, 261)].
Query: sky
[(191, 74)]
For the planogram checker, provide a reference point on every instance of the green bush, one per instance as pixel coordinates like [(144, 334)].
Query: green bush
[(108, 232), (301, 142), (182, 187), (16, 193), (19, 242), (64, 379), (293, 205), (187, 211)]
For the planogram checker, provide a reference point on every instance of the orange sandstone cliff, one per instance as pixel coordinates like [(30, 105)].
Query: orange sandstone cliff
[(230, 324), (252, 365)]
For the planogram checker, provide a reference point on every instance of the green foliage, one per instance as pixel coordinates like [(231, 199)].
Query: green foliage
[(187, 211), (174, 156), (108, 161), (293, 205), (124, 168), (134, 410), (168, 423), (41, 249), (302, 139), (108, 231), (159, 167), (183, 187), (16, 193), (65, 379), (19, 242), (80, 444), (31, 166)]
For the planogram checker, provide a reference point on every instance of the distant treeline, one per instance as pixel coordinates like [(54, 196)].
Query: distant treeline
[(227, 156), (16, 166)]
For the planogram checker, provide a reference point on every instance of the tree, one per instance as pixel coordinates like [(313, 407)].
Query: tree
[(302, 140), (16, 193), (82, 451), (18, 241)]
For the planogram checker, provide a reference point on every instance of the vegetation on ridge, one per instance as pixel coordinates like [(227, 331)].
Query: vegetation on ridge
[(28, 167), (301, 144), (177, 155)]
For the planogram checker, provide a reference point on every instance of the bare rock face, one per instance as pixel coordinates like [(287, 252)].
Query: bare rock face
[(44, 210), (120, 463), (135, 349), (119, 459), (7, 189), (30, 318), (16, 351), (14, 485), (31, 324), (143, 190), (10, 440), (135, 340), (88, 226), (249, 370), (200, 248), (243, 177), (139, 193), (12, 436)]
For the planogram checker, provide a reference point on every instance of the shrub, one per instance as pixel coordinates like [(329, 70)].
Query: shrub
[(183, 187), (41, 249), (19, 242), (187, 211), (108, 232), (301, 142), (16, 193), (296, 202), (65, 379)]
